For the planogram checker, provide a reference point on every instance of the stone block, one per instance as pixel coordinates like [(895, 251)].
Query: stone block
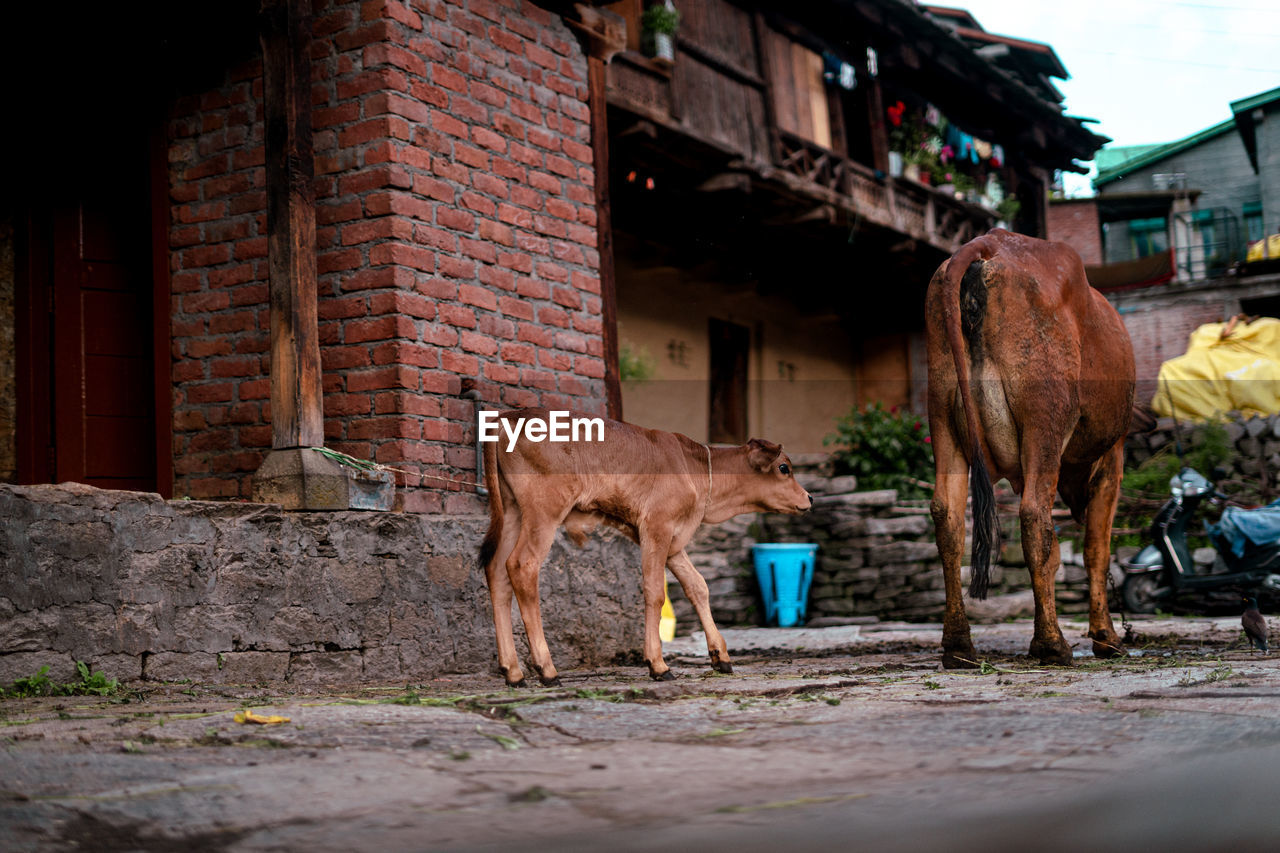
[(302, 478), (907, 525), (62, 667), (181, 667), (253, 667), (902, 552), (326, 668)]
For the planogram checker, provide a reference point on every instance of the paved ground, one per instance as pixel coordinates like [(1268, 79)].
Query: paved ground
[(822, 739)]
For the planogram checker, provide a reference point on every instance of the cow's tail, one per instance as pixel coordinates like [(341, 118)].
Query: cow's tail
[(494, 535), (967, 292)]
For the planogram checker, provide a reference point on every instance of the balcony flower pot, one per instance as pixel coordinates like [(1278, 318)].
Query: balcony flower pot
[(658, 25), (895, 164)]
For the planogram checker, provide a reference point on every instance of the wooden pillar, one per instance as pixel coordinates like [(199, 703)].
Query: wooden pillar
[(875, 120), (292, 474), (603, 34), (297, 415)]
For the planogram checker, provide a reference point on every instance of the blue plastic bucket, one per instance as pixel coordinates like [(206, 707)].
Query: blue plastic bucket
[(784, 572)]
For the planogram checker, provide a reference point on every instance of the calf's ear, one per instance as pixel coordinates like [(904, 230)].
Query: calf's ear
[(762, 454)]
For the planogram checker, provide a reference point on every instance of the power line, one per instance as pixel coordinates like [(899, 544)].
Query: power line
[(1175, 60)]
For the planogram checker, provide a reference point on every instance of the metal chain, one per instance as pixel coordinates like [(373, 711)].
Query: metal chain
[(1124, 619)]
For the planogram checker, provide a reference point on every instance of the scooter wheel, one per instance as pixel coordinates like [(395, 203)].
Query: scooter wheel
[(1139, 593)]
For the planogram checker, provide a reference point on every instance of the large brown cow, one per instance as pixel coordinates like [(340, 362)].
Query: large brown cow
[(1031, 378), (655, 486)]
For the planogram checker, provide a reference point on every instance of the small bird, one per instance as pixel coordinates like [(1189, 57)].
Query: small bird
[(1254, 624)]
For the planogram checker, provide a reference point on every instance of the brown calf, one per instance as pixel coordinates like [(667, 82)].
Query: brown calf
[(1031, 378), (655, 486)]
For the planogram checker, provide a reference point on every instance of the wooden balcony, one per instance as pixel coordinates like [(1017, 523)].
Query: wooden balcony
[(912, 209), (724, 116)]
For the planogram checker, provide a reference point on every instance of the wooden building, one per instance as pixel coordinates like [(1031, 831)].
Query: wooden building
[(782, 193), (245, 227)]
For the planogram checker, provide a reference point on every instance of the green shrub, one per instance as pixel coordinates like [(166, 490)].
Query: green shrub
[(884, 449), (90, 684)]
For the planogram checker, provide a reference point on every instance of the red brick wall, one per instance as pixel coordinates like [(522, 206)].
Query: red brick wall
[(1075, 222), (1161, 332), (455, 230)]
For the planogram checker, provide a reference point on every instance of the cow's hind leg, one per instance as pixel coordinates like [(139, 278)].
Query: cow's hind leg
[(500, 599), (1040, 547), (1104, 493), (949, 496), (523, 566), (695, 589)]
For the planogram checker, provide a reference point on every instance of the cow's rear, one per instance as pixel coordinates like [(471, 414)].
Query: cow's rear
[(1030, 379)]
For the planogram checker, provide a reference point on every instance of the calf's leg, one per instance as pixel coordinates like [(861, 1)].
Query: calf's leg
[(950, 493), (653, 559), (500, 600), (695, 589), (523, 566)]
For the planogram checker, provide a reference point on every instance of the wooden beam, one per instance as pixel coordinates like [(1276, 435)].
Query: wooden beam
[(602, 34), (297, 411)]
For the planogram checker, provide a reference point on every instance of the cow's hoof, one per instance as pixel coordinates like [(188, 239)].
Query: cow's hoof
[(515, 684), (553, 681), (665, 675), (961, 658), (1108, 647), (1054, 654)]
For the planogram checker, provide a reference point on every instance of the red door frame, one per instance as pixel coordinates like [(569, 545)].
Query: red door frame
[(39, 429)]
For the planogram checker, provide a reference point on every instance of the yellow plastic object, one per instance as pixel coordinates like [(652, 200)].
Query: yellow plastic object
[(1228, 367), (250, 717), (1257, 252), (667, 622)]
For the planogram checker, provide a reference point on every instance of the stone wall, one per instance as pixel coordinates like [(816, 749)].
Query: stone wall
[(1254, 441), (242, 593), (876, 559)]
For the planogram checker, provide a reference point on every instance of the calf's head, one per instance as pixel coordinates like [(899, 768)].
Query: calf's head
[(771, 484)]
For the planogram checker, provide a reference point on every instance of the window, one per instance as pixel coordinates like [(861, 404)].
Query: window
[(1148, 236), (1253, 221), (799, 91)]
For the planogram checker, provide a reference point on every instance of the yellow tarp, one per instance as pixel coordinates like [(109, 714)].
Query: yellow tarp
[(1263, 249), (1238, 372)]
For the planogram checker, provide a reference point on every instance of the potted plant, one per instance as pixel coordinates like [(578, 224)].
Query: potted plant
[(659, 24)]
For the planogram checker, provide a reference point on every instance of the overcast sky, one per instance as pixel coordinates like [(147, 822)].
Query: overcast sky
[(1149, 71)]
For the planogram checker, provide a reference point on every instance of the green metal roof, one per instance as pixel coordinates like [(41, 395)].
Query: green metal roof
[(1255, 101), (1115, 156), (1242, 115), (1156, 153)]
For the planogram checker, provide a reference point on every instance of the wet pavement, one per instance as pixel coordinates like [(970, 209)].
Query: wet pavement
[(822, 738)]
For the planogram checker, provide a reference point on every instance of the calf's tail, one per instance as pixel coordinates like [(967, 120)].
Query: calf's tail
[(964, 326), (493, 536)]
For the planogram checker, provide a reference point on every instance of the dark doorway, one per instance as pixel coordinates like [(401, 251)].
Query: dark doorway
[(87, 343), (727, 423)]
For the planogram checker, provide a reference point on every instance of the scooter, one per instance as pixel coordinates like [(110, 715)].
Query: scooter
[(1163, 573)]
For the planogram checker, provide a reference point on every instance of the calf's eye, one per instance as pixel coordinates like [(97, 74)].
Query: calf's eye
[(784, 468)]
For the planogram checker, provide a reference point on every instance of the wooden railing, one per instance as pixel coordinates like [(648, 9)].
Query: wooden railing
[(905, 206)]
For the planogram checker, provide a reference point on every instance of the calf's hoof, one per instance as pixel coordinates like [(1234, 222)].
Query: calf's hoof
[(720, 664), (515, 684), (665, 675), (553, 681), (1055, 654)]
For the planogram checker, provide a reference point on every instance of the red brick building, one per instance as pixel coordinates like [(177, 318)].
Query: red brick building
[(455, 243)]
